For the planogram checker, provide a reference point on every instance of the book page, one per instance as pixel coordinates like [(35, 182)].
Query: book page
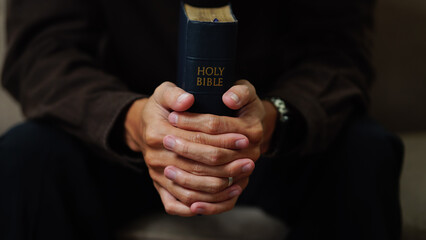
[(222, 14)]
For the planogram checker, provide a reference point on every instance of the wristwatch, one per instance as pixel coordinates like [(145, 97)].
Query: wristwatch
[(280, 133), (283, 112), (290, 129)]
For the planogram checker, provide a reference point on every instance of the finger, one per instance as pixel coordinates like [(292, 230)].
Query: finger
[(206, 154), (225, 140), (169, 96), (188, 196), (207, 123), (239, 95), (247, 125), (160, 159), (205, 208), (208, 208), (153, 136), (171, 205), (187, 180)]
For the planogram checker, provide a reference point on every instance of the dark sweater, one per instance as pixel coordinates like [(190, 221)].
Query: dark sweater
[(79, 63)]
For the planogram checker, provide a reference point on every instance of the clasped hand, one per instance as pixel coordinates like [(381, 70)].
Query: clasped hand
[(190, 156)]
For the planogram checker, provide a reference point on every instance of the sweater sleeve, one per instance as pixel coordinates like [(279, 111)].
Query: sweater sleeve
[(327, 70), (54, 69)]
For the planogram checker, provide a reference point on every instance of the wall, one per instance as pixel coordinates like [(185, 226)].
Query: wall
[(9, 111), (399, 95)]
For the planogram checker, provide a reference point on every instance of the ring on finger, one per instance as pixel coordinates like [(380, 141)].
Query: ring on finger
[(230, 181)]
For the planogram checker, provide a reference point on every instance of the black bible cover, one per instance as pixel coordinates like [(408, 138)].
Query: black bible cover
[(206, 56)]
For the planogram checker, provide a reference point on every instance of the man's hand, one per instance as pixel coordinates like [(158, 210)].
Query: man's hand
[(256, 120), (199, 172)]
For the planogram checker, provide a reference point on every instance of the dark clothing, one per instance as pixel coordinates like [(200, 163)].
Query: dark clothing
[(51, 187), (76, 65), (57, 190), (79, 63)]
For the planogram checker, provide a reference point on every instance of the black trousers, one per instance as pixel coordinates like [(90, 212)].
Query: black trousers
[(52, 187)]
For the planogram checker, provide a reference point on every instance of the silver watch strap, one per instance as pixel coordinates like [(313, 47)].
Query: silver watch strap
[(281, 108)]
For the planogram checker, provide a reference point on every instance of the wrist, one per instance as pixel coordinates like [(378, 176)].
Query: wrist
[(289, 130), (269, 124), (132, 124)]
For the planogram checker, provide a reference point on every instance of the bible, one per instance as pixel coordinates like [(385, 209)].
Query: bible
[(206, 54)]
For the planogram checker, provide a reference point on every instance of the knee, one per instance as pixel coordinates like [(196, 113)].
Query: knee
[(31, 146), (372, 148)]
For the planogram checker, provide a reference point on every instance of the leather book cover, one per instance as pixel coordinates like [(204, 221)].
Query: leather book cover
[(206, 56)]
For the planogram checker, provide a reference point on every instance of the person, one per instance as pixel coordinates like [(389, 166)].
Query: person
[(108, 137)]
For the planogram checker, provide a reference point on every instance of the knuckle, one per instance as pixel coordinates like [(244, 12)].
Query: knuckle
[(161, 88), (153, 137), (185, 149), (176, 89), (197, 169), (167, 84), (188, 197), (256, 154), (197, 138), (245, 91), (162, 92), (185, 181), (213, 124), (169, 208), (151, 160), (249, 86), (152, 174), (163, 84), (256, 133), (216, 186), (158, 90), (231, 171), (252, 89), (215, 156)]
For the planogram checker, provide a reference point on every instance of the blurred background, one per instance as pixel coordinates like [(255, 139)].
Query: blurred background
[(398, 97)]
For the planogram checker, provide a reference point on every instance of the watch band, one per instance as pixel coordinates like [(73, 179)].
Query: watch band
[(281, 108), (280, 126), (290, 129)]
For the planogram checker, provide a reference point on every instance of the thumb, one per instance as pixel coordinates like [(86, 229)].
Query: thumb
[(241, 94), (169, 96)]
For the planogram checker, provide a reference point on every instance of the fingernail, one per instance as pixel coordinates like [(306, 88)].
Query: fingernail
[(234, 193), (200, 210), (182, 97), (170, 174), (169, 142), (247, 168), (242, 143), (173, 118), (234, 97)]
